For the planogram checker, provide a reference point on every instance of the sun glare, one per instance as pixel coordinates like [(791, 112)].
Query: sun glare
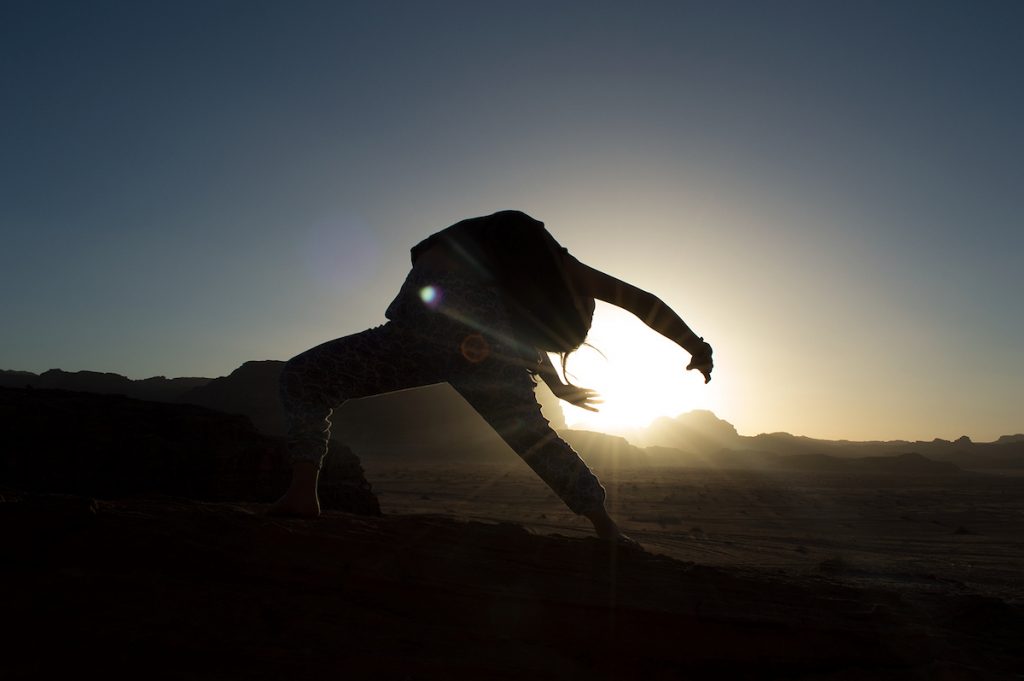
[(640, 375)]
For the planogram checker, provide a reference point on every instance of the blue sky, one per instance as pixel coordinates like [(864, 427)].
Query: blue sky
[(830, 192)]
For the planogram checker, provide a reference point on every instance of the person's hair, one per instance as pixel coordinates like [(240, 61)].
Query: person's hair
[(573, 328), (550, 315), (527, 265), (586, 317)]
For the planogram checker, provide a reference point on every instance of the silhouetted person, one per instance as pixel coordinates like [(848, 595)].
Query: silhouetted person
[(486, 300)]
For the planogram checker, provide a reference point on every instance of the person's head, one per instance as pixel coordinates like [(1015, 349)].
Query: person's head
[(529, 266)]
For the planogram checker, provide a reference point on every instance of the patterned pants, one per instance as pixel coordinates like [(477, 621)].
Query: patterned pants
[(443, 328)]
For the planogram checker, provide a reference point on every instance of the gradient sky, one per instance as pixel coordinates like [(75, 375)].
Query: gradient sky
[(831, 193)]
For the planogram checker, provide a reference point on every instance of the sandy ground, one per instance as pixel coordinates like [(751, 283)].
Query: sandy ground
[(161, 587), (139, 547), (951, 534)]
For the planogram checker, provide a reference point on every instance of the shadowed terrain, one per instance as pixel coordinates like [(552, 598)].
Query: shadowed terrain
[(425, 420), (135, 542), (112, 446), (176, 588)]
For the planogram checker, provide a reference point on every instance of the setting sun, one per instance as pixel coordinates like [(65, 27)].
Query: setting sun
[(639, 375)]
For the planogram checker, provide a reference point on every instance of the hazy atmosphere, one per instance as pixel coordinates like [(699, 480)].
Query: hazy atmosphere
[(829, 193)]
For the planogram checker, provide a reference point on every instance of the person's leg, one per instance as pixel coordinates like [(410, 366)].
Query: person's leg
[(504, 396), (317, 381)]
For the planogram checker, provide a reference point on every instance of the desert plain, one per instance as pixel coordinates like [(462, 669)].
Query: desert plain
[(962, 532)]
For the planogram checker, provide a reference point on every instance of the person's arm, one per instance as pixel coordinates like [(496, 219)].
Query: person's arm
[(646, 306), (583, 398)]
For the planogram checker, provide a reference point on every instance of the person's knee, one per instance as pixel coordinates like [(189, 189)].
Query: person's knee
[(301, 383)]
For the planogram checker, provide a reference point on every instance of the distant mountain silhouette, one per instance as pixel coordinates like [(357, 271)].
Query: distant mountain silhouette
[(1009, 439), (434, 424), (962, 452), (251, 389), (156, 389), (697, 432), (701, 438), (605, 452), (426, 425)]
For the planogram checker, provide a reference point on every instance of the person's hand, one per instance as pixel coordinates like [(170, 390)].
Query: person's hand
[(701, 361), (584, 398)]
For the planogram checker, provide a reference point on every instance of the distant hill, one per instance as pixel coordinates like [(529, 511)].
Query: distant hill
[(156, 389), (251, 389), (426, 425), (434, 424), (1009, 439), (603, 451), (700, 436), (698, 432), (1001, 454)]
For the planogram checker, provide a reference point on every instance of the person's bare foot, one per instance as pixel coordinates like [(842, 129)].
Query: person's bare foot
[(288, 507), (608, 530), (300, 501), (625, 540)]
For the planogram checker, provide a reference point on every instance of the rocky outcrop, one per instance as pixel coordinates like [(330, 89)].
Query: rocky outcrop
[(604, 451), (251, 389), (110, 446), (699, 432)]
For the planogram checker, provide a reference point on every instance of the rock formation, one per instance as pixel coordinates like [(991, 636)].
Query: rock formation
[(110, 446)]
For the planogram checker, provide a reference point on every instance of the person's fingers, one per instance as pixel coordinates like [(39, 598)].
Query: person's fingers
[(703, 367)]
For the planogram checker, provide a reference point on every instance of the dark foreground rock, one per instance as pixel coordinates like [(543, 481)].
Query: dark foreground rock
[(111, 446), (167, 588)]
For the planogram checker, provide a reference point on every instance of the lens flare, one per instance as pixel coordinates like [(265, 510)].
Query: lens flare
[(431, 296), (475, 348)]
